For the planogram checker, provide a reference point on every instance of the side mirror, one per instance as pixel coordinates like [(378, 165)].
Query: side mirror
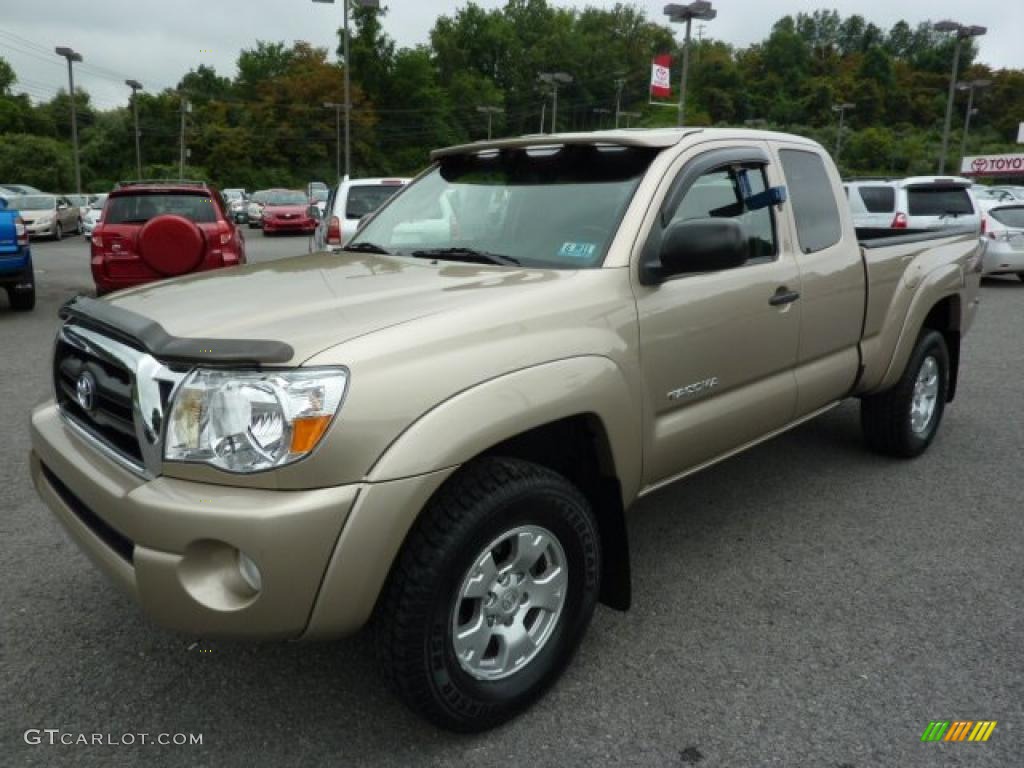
[(62, 206), (703, 245)]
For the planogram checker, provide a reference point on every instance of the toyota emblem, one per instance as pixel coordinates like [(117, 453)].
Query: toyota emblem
[(85, 391)]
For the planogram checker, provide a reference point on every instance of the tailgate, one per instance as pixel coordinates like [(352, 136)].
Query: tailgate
[(118, 244)]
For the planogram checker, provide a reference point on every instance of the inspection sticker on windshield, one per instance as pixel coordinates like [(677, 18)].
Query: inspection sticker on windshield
[(579, 251)]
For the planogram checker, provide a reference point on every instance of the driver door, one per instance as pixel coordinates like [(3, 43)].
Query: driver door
[(718, 348)]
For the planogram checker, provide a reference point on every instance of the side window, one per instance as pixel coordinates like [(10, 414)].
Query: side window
[(878, 199), (727, 193), (814, 203)]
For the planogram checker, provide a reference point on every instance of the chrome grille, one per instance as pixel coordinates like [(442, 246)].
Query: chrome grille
[(129, 393)]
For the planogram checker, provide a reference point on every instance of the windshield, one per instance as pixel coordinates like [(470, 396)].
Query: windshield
[(34, 202), (1009, 217), (138, 209), (233, 194), (320, 195), (97, 202), (366, 199), (287, 198), (79, 200), (543, 206)]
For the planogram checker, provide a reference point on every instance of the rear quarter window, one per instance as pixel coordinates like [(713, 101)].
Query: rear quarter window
[(813, 200), (938, 201), (878, 199)]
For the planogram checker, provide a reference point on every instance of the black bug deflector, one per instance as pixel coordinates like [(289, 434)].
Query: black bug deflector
[(138, 330)]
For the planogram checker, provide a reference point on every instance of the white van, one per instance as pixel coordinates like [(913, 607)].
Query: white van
[(918, 202)]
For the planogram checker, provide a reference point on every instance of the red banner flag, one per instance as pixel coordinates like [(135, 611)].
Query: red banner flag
[(661, 77)]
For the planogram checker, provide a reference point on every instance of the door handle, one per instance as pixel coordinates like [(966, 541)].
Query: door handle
[(783, 296)]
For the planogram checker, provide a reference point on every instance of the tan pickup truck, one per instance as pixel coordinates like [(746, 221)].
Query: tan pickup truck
[(441, 427)]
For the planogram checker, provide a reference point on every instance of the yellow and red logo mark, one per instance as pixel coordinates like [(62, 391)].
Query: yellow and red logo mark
[(958, 730)]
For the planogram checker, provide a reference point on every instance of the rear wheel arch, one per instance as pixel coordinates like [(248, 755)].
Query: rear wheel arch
[(945, 317)]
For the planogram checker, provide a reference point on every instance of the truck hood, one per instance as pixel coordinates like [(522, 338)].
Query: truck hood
[(316, 301)]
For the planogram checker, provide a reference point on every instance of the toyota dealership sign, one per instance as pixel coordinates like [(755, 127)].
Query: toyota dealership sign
[(993, 165)]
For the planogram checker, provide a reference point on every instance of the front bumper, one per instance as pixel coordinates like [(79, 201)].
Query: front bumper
[(323, 554), (36, 229), (289, 225), (1001, 257)]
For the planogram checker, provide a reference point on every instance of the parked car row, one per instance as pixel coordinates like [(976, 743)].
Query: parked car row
[(934, 202)]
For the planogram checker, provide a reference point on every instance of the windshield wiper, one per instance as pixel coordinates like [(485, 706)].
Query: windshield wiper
[(465, 254), (366, 248)]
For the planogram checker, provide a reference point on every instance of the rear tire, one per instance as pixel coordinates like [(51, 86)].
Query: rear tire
[(902, 421), (459, 635), (23, 301), (58, 232)]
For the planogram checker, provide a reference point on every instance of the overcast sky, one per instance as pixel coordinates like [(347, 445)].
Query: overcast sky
[(158, 42)]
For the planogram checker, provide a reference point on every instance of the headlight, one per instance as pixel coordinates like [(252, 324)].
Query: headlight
[(247, 421)]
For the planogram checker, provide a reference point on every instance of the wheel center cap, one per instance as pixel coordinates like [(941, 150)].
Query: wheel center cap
[(509, 601)]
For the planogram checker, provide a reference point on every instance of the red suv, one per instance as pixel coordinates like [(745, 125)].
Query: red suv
[(151, 230)]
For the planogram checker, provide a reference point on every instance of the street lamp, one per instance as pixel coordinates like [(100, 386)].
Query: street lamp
[(490, 112), (348, 85), (963, 32), (337, 107), (73, 56), (969, 86), (841, 109), (554, 79), (699, 9), (136, 86)]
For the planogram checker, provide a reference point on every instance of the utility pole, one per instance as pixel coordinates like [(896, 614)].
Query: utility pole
[(698, 9), (186, 106), (490, 112), (543, 114), (841, 109), (337, 134), (969, 86), (619, 85), (375, 4), (73, 56), (963, 32), (554, 79), (136, 86)]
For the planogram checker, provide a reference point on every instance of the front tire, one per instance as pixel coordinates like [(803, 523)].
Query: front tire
[(902, 421), (58, 232), (491, 594)]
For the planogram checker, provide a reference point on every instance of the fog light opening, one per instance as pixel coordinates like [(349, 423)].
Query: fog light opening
[(250, 572)]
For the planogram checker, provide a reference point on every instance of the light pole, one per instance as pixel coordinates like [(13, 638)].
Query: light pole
[(698, 9), (969, 86), (619, 85), (73, 56), (490, 112), (554, 79), (963, 32), (348, 83), (841, 109), (136, 86), (337, 107), (186, 106)]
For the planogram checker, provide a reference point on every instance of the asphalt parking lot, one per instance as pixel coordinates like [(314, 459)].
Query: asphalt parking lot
[(804, 604)]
